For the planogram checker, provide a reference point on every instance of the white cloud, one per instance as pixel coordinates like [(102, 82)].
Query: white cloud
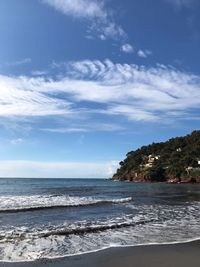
[(127, 48), (20, 96), (104, 127), (37, 169), (16, 141), (65, 130), (144, 53), (17, 63), (111, 30), (138, 93), (79, 8), (39, 72), (132, 113), (148, 93), (101, 20)]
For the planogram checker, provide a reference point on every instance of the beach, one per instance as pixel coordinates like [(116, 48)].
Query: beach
[(65, 218), (173, 255)]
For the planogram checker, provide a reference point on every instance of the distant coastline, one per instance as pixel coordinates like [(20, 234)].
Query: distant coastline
[(174, 161)]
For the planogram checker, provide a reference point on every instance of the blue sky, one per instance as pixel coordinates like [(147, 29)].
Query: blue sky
[(83, 82)]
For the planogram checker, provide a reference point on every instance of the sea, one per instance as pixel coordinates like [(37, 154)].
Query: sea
[(50, 218)]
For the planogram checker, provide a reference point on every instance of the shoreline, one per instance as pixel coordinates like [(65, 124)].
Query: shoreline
[(155, 182), (152, 255)]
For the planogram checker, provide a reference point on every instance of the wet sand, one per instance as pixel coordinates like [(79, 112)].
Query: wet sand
[(175, 255)]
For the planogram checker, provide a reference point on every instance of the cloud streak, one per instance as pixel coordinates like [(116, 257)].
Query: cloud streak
[(20, 98), (104, 89), (16, 63), (94, 127)]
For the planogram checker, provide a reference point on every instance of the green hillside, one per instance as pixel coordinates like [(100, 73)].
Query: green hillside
[(177, 160)]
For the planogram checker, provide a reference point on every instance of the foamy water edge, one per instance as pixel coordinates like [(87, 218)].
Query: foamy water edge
[(105, 248)]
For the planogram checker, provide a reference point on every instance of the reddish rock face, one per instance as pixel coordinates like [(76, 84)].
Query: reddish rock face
[(198, 179), (140, 178), (132, 177)]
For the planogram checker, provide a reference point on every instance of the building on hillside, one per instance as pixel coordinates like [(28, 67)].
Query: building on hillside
[(150, 159)]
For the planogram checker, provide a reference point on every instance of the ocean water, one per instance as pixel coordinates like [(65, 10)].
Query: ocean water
[(48, 218)]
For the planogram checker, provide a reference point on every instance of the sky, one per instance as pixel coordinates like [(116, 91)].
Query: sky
[(83, 82)]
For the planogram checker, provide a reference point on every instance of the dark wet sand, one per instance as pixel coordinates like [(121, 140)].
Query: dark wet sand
[(176, 255)]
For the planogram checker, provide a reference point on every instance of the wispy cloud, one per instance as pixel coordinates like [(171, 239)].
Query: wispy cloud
[(65, 169), (19, 62), (127, 48), (80, 8), (103, 88), (133, 113), (16, 141), (101, 19), (99, 127), (20, 98), (39, 72), (65, 130), (144, 53), (16, 63)]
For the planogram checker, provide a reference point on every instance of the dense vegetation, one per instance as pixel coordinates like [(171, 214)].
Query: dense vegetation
[(177, 160)]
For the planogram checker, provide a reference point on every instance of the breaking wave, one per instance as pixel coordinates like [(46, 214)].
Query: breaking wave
[(37, 202)]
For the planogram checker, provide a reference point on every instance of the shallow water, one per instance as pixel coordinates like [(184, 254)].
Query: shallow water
[(57, 217)]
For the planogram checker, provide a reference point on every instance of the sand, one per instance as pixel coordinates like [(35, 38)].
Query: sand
[(175, 255)]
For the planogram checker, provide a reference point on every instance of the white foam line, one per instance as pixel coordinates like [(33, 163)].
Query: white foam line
[(105, 248), (66, 202)]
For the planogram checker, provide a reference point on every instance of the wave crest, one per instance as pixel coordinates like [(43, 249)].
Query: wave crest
[(37, 202)]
